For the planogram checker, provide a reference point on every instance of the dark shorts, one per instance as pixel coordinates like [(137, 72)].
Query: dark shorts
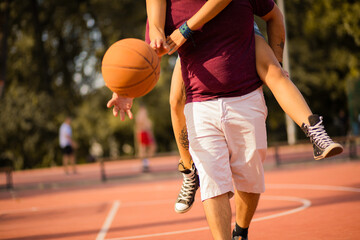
[(68, 150)]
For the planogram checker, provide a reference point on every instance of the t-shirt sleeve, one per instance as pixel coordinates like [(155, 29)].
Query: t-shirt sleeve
[(262, 7)]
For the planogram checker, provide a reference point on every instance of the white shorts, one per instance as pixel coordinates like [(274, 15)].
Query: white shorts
[(227, 138)]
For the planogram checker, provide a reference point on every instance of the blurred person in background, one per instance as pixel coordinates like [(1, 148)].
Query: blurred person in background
[(144, 136), (67, 145)]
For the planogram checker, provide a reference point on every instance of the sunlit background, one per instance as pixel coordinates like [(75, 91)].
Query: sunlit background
[(51, 54)]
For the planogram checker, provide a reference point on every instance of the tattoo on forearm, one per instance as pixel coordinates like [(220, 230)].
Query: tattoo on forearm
[(281, 45), (183, 139)]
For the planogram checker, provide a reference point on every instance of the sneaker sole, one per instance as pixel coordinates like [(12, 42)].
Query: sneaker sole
[(331, 151), (183, 211)]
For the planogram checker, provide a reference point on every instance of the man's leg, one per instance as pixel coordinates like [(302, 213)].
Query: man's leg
[(144, 157), (152, 149), (218, 215), (245, 204), (245, 132), (209, 149), (72, 162), (65, 161), (190, 184)]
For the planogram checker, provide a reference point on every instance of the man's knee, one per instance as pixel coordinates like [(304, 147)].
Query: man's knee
[(217, 200)]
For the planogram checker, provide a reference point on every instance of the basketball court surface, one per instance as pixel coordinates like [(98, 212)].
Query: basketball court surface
[(314, 201)]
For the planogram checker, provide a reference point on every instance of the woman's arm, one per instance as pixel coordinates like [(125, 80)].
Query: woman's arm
[(207, 12), (156, 12)]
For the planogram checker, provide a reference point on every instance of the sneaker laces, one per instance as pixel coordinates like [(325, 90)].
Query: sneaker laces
[(318, 135), (188, 187)]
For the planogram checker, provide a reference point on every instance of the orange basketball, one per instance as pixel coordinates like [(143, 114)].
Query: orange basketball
[(130, 68)]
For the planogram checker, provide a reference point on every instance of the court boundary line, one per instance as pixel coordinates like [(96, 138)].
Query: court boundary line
[(271, 186), (306, 204), (109, 218), (38, 209), (127, 204), (116, 205), (312, 187)]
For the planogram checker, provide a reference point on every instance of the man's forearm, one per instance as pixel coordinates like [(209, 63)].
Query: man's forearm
[(276, 32), (276, 38)]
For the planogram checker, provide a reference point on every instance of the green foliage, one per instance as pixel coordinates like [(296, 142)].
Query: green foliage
[(28, 134), (54, 57), (324, 49)]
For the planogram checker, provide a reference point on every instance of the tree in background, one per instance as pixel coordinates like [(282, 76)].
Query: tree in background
[(4, 16), (324, 44), (324, 51), (53, 61)]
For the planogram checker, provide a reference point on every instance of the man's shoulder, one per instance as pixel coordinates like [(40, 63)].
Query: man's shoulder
[(262, 7)]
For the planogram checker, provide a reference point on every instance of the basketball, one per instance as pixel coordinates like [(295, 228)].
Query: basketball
[(130, 68)]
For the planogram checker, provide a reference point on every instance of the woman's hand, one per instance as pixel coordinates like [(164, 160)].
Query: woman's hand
[(122, 105), (160, 46)]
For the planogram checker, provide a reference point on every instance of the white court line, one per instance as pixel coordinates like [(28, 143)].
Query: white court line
[(38, 209), (147, 203), (155, 202), (306, 203), (110, 217), (82, 205), (270, 186), (313, 187)]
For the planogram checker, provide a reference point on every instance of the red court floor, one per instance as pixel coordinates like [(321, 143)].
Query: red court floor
[(315, 201)]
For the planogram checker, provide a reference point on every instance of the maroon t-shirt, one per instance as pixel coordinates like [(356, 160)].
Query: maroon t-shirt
[(219, 60)]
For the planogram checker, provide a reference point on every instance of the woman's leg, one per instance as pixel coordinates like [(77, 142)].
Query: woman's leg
[(190, 183), (177, 104), (284, 90), (292, 102)]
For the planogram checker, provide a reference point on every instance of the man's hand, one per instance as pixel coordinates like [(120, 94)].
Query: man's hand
[(122, 105)]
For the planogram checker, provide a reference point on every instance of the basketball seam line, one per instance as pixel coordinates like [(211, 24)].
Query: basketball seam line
[(129, 67), (140, 55), (135, 84)]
